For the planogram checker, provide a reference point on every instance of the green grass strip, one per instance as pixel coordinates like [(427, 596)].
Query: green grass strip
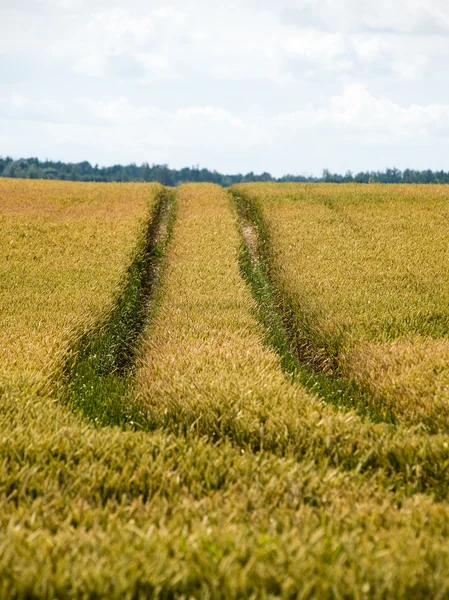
[(281, 325), (100, 369)]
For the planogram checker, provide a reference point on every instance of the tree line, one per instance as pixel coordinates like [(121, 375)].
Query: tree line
[(33, 168)]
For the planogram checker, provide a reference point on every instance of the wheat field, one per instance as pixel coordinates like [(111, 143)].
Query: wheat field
[(227, 464), (364, 272)]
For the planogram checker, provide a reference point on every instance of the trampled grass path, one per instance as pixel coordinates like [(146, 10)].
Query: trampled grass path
[(282, 325), (100, 368)]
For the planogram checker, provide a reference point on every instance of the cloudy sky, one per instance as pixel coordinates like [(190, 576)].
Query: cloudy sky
[(291, 86)]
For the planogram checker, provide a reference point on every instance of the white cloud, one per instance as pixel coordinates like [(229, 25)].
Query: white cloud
[(370, 48), (216, 115), (357, 112), (233, 41), (400, 16), (122, 112), (315, 46), (120, 44), (111, 26), (16, 106), (169, 13), (194, 126)]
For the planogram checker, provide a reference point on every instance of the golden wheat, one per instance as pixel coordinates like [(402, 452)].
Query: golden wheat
[(365, 268), (64, 248), (193, 510)]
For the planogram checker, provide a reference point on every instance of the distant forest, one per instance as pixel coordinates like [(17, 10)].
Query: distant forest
[(33, 168)]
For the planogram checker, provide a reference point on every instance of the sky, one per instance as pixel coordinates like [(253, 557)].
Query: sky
[(292, 86)]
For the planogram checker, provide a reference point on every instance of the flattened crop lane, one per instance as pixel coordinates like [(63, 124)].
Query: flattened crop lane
[(99, 378), (206, 371)]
